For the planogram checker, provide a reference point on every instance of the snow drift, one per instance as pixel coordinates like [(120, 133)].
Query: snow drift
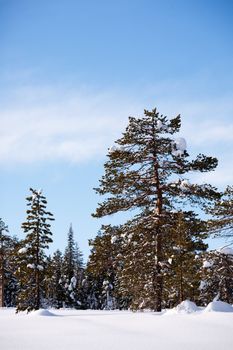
[(187, 307), (41, 312), (218, 306)]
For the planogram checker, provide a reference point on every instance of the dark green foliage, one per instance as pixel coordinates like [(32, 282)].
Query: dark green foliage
[(69, 256), (3, 241), (31, 256)]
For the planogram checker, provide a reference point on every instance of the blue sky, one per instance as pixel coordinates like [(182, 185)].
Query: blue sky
[(71, 72)]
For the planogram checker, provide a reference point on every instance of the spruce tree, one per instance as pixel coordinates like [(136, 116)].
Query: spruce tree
[(102, 269), (217, 276), (58, 290), (146, 174), (222, 212), (31, 256), (72, 272), (4, 239), (69, 256), (10, 267), (54, 289)]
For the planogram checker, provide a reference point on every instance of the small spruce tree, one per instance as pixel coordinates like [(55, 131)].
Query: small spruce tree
[(72, 272), (31, 256), (4, 239), (55, 292)]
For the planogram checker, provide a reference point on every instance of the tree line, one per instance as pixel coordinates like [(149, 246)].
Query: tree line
[(157, 258)]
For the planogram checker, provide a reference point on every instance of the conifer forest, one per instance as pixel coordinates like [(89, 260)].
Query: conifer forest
[(156, 259)]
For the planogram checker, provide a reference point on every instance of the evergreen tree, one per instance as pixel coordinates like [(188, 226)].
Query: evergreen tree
[(69, 256), (217, 276), (11, 282), (146, 173), (31, 256), (72, 272), (80, 276), (222, 222), (55, 292), (102, 269), (184, 246), (4, 239), (8, 281), (78, 258)]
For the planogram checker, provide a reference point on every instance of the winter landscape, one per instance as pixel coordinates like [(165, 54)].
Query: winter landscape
[(116, 158)]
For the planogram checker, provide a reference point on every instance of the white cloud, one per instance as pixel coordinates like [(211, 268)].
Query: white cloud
[(50, 123)]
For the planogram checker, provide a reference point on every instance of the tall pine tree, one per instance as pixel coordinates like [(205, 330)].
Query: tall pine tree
[(146, 173)]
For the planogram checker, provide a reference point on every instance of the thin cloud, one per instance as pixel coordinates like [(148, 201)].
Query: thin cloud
[(72, 128), (74, 125)]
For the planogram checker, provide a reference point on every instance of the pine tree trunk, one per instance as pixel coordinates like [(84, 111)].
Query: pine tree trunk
[(37, 290), (37, 272), (1, 276), (181, 283), (158, 280), (181, 291), (158, 277)]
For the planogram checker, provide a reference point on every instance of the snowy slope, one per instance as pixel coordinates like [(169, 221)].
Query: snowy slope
[(102, 330)]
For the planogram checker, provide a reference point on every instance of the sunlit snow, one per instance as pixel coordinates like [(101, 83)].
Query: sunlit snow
[(207, 264), (22, 250), (185, 327)]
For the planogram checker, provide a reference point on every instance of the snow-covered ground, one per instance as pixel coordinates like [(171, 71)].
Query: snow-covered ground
[(121, 330)]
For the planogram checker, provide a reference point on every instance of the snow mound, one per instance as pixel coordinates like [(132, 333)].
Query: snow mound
[(218, 306), (42, 312), (186, 307)]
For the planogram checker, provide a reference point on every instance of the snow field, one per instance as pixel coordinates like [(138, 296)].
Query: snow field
[(116, 330)]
